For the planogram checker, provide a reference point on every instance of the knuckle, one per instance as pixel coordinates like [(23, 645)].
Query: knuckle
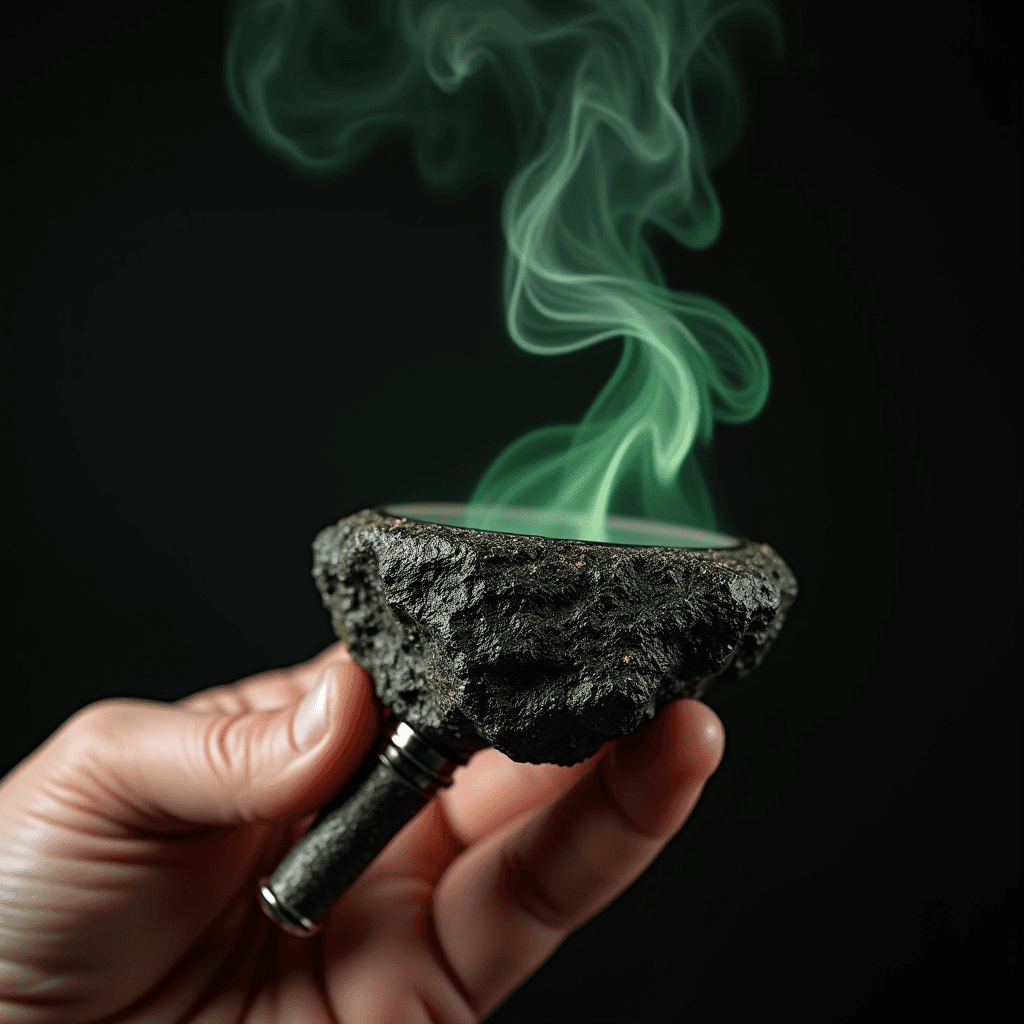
[(90, 742), (222, 749), (644, 807), (523, 887), (228, 748), (637, 820), (99, 723)]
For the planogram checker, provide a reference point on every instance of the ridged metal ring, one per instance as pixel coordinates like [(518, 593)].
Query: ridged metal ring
[(415, 747), (415, 762)]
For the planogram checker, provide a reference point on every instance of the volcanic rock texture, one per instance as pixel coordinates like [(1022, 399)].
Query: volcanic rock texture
[(542, 648)]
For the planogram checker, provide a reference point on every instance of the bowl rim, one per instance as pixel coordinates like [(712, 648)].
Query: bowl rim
[(418, 511)]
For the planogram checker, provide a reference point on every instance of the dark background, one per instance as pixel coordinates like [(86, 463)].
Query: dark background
[(206, 359)]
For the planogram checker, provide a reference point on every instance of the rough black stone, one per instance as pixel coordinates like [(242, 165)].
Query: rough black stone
[(542, 648)]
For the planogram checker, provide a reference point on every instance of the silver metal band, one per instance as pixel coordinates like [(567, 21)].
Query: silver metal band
[(291, 921), (415, 762), (416, 747)]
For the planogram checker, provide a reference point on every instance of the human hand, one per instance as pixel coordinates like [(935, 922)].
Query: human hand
[(132, 840)]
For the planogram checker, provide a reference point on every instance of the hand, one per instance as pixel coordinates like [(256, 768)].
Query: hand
[(132, 840)]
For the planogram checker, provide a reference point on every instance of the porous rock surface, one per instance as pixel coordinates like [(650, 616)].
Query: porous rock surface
[(542, 648)]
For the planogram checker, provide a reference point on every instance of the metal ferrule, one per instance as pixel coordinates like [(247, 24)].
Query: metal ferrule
[(289, 920), (415, 762)]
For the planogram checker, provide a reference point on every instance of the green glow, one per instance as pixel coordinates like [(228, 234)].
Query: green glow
[(604, 96), (547, 523)]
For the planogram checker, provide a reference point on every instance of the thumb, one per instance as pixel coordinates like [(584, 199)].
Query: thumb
[(158, 766)]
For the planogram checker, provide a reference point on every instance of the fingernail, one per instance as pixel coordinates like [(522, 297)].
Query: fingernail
[(310, 721)]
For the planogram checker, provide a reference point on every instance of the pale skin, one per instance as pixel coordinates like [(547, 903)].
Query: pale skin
[(132, 840)]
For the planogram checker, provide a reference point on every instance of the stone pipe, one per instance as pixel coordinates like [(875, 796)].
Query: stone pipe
[(544, 648)]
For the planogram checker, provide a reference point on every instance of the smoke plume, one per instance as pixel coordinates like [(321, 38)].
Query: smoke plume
[(618, 108)]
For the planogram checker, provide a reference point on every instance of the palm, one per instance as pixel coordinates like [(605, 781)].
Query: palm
[(463, 905)]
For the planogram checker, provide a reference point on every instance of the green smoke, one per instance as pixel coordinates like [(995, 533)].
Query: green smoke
[(619, 107)]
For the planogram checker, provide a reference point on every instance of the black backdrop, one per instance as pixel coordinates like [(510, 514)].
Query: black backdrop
[(206, 359)]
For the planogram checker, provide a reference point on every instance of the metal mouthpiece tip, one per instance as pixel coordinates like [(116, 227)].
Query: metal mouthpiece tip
[(282, 916)]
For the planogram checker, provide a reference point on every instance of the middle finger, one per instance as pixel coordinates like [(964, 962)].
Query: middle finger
[(487, 794)]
